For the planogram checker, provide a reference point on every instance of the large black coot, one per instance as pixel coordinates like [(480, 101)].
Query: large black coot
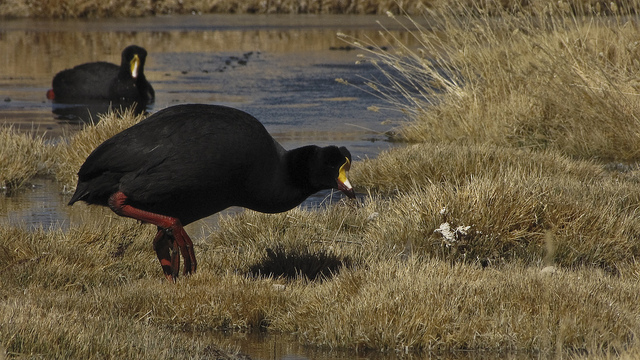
[(105, 81), (187, 162)]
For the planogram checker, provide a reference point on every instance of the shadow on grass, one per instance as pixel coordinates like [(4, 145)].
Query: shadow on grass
[(296, 263)]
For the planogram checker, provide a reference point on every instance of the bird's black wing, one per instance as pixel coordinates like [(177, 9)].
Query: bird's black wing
[(209, 150), (86, 81), (130, 151)]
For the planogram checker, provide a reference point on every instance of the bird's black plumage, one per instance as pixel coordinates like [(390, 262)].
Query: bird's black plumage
[(190, 161), (105, 81)]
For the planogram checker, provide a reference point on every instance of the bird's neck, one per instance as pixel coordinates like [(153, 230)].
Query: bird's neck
[(289, 185), (297, 166)]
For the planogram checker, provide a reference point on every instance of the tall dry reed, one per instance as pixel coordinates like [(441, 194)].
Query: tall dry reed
[(559, 82)]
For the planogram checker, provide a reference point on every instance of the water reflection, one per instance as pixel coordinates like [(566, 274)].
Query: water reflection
[(273, 346)]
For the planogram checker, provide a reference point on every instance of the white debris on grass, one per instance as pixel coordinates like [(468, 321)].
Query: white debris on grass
[(451, 235)]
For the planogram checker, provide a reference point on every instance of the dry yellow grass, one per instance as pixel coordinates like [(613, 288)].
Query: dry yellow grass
[(510, 223), (22, 156), (121, 8), (97, 290), (514, 201)]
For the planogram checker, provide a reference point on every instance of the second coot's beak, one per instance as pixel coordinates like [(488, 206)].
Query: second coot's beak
[(135, 65)]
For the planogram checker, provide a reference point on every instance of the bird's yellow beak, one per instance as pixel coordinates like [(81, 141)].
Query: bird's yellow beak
[(343, 183), (135, 65)]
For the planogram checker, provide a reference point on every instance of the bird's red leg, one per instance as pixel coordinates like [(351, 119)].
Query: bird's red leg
[(170, 227)]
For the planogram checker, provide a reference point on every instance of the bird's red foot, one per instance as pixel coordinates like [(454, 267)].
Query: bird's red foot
[(167, 253), (170, 237), (168, 246)]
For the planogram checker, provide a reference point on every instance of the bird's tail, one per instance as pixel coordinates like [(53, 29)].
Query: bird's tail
[(81, 193)]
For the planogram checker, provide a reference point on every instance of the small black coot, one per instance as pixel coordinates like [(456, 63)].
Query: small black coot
[(187, 162), (103, 80)]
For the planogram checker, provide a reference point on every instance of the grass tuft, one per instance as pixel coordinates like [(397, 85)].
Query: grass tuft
[(22, 156)]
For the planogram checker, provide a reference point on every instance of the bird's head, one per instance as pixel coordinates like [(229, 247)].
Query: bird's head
[(134, 56), (330, 169)]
